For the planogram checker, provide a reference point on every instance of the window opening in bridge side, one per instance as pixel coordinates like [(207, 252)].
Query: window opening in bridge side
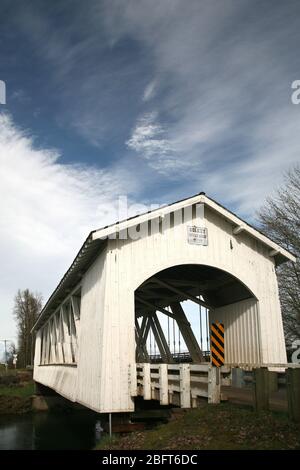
[(59, 335)]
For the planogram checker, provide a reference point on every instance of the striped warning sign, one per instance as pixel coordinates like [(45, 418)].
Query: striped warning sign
[(217, 344)]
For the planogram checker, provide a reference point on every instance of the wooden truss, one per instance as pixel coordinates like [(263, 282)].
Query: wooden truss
[(60, 333), (147, 308)]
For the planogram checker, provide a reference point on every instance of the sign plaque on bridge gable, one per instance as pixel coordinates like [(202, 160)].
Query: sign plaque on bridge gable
[(197, 235)]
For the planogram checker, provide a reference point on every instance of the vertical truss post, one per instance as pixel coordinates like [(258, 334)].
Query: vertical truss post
[(67, 338), (60, 354), (53, 341)]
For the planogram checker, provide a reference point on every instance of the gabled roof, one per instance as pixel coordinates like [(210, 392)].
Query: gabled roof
[(97, 239)]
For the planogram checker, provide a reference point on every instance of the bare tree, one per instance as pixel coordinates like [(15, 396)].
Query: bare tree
[(280, 219), (11, 350), (26, 310)]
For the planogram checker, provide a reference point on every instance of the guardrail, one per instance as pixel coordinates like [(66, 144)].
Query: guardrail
[(185, 384), (181, 384), (179, 357)]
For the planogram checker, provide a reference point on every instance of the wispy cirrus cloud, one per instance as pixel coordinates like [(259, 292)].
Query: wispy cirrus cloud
[(148, 137), (149, 140), (149, 91), (225, 106), (215, 78)]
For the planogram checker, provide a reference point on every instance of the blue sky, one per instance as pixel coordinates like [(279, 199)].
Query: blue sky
[(155, 100)]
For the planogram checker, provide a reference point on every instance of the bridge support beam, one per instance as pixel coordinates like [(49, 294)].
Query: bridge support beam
[(158, 339), (187, 332), (181, 292), (141, 334), (164, 343)]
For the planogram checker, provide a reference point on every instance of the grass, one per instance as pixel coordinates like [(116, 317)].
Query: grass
[(18, 391), (16, 399), (10, 372), (223, 426)]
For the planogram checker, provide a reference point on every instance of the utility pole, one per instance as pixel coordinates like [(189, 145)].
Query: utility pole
[(5, 352)]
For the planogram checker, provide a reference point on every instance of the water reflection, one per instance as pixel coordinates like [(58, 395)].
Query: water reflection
[(51, 430)]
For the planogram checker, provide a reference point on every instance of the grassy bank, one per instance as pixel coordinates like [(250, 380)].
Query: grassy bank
[(15, 394), (222, 426)]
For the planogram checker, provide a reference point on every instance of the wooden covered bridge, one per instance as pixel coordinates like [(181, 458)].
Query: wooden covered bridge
[(92, 337)]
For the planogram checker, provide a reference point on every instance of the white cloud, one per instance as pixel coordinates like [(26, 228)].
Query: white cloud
[(150, 141), (148, 137), (149, 91), (47, 210)]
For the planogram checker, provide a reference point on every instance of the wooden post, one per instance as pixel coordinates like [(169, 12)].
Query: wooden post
[(185, 386), (109, 425), (194, 402), (273, 381), (214, 385), (261, 388), (237, 377), (293, 393), (163, 384), (146, 381)]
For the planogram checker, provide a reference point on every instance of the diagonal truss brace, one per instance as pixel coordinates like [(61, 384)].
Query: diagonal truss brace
[(187, 332)]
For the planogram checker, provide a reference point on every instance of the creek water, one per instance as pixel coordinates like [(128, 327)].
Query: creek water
[(50, 430)]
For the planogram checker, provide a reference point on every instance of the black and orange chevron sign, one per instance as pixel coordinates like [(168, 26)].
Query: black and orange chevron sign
[(217, 344)]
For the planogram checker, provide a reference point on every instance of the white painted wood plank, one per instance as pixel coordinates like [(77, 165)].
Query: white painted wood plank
[(163, 384), (185, 386)]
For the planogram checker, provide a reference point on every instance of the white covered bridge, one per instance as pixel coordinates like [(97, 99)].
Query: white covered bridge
[(92, 337)]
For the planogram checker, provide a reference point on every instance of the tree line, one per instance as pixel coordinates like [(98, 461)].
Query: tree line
[(280, 220), (27, 308)]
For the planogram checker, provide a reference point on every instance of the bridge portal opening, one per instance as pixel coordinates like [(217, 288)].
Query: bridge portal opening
[(174, 309)]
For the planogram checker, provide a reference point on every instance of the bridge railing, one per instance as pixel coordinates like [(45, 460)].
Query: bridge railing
[(181, 384), (185, 384), (178, 357)]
